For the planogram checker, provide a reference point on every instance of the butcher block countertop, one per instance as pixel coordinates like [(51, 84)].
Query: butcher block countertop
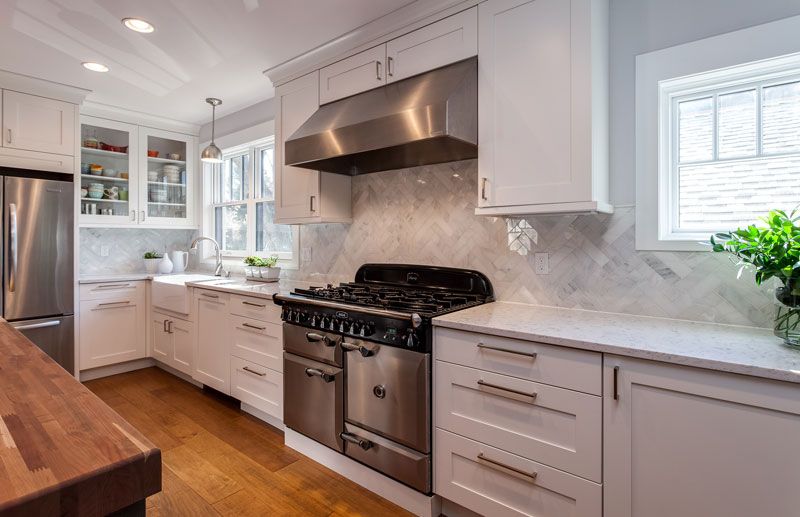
[(62, 450)]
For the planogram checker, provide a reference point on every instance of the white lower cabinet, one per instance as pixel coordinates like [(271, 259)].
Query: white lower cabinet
[(212, 350), (493, 482), (112, 323), (257, 386), (173, 342), (697, 443)]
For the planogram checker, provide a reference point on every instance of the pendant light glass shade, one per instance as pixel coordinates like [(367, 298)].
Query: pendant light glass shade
[(212, 153)]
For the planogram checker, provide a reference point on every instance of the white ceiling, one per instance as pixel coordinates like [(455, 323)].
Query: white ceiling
[(200, 48)]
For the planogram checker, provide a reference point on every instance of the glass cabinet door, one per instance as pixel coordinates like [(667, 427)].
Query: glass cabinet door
[(108, 176), (167, 178)]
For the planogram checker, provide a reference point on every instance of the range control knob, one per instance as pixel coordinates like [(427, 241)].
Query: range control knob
[(315, 319), (345, 325), (287, 314), (324, 322), (410, 340), (368, 329)]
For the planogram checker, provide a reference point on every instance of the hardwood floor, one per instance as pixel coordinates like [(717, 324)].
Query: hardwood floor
[(218, 460)]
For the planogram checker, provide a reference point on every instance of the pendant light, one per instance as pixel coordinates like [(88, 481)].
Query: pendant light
[(212, 154)]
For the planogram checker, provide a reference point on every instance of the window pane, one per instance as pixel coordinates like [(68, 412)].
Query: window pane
[(728, 195), (781, 118), (736, 124), (231, 227), (267, 173), (695, 130), (233, 178), (271, 237)]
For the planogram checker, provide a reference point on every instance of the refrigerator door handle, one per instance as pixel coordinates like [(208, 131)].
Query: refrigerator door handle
[(44, 324), (12, 222)]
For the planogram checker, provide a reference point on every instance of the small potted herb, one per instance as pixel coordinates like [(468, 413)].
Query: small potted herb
[(773, 251), (262, 268), (151, 260)]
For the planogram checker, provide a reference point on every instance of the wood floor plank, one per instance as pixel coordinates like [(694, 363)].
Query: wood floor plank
[(219, 460)]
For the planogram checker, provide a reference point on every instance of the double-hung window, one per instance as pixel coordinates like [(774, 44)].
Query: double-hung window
[(243, 204), (718, 140)]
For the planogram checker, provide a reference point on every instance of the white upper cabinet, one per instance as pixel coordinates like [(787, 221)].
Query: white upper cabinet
[(543, 106), (304, 195), (40, 124), (447, 41), (355, 74)]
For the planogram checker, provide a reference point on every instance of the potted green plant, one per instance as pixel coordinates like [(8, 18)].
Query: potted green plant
[(262, 268), (773, 251), (151, 260)]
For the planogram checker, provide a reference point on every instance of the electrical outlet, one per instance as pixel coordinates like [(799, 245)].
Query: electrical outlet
[(305, 255), (542, 263), (104, 251)]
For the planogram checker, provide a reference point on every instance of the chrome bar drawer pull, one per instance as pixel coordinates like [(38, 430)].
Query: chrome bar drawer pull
[(111, 305), (247, 369), (254, 327), (209, 295), (532, 355), (531, 395), (501, 467), (111, 286), (259, 305)]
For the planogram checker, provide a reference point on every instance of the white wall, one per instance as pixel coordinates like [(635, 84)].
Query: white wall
[(239, 120), (639, 26)]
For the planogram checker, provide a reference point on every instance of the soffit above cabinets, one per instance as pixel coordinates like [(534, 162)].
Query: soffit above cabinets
[(199, 47)]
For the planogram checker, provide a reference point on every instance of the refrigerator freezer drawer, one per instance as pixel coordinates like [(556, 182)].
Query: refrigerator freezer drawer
[(55, 336)]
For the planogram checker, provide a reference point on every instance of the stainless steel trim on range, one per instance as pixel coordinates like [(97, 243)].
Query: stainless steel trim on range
[(388, 392)]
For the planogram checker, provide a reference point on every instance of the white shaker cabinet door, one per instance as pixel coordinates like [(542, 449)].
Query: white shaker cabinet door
[(696, 443), (447, 41), (39, 124), (111, 331), (355, 74), (182, 333), (212, 350)]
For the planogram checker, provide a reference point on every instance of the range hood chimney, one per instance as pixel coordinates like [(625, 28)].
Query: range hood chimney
[(430, 118)]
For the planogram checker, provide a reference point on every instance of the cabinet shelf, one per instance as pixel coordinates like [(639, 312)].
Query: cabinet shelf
[(104, 178), (93, 200), (150, 159), (100, 152), (165, 184), (153, 203)]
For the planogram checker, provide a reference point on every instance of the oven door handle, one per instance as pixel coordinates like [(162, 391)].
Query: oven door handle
[(313, 337), (349, 437), (316, 372), (349, 347)]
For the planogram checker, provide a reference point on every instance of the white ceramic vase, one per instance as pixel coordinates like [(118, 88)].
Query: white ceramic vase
[(165, 266)]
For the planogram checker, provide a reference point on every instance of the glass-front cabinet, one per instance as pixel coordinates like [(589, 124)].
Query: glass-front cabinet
[(165, 180), (135, 175)]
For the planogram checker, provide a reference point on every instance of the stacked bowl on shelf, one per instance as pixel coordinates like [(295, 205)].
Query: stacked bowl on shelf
[(172, 173)]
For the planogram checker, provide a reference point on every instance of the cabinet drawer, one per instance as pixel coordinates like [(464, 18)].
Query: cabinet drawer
[(558, 427), (355, 74), (493, 482), (106, 290), (258, 386), (262, 309), (111, 331), (549, 364), (257, 341)]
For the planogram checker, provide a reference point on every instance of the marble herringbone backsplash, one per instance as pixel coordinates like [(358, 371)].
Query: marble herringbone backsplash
[(425, 215), (126, 247)]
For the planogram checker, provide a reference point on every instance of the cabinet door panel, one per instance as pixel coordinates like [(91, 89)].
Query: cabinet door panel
[(38, 124), (182, 345), (441, 43), (296, 189), (699, 442), (162, 341), (212, 352), (111, 331), (526, 105), (355, 74), (258, 386)]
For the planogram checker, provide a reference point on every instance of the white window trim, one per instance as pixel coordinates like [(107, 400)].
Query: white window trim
[(655, 88), (288, 260)]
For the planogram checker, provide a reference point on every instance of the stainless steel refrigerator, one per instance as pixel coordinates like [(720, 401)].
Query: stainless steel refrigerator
[(38, 270)]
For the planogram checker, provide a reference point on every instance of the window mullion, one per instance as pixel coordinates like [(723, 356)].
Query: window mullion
[(759, 120), (715, 128)]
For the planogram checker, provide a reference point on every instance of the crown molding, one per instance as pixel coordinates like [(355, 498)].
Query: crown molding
[(397, 23), (42, 87), (106, 111)]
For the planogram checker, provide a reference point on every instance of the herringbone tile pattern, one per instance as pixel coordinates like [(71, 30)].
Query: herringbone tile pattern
[(425, 215)]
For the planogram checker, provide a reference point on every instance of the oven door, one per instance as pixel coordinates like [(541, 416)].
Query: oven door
[(388, 392), (313, 400), (312, 343)]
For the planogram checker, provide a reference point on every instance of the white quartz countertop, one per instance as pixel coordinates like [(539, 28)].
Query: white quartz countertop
[(729, 348), (114, 277)]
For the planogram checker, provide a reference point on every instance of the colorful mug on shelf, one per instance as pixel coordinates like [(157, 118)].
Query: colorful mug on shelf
[(123, 175), (123, 194), (111, 193), (84, 192), (152, 154), (96, 169), (84, 168)]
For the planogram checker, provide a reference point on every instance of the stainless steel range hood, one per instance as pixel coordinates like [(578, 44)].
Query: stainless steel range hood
[(430, 118)]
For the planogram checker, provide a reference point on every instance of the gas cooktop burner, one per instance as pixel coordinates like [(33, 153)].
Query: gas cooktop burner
[(421, 301)]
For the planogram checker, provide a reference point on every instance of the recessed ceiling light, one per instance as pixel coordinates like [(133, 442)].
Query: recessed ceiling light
[(95, 67), (138, 25)]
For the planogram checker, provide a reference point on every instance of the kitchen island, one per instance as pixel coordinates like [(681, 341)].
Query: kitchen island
[(62, 450)]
